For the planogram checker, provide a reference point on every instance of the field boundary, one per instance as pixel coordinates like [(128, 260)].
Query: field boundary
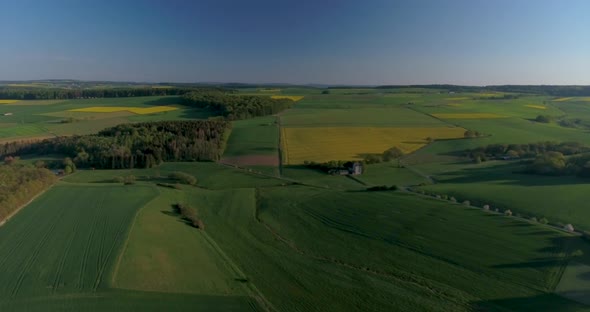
[(115, 270)]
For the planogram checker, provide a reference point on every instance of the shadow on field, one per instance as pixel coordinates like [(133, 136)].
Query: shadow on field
[(541, 302), (506, 174), (559, 253)]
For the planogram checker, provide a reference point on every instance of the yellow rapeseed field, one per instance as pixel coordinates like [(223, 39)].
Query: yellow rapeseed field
[(291, 97), (8, 101), (349, 143), (536, 106), (135, 110), (457, 98), (562, 99), (466, 116)]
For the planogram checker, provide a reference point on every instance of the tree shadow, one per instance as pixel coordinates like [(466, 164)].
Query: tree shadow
[(506, 174), (541, 302)]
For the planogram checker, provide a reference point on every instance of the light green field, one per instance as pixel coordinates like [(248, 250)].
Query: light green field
[(166, 255), (256, 136)]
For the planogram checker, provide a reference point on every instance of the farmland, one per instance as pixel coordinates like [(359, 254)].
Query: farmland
[(335, 143), (281, 236)]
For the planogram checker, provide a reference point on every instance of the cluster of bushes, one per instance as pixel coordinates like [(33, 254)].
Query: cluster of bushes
[(235, 107), (555, 163), (388, 155), (382, 188), (544, 118), (472, 134), (183, 178), (328, 166), (19, 183), (190, 215), (127, 180), (526, 150), (139, 145)]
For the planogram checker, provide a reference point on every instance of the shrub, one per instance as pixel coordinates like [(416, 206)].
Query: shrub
[(543, 220), (466, 203), (486, 207), (508, 212), (130, 179), (438, 197), (534, 219), (183, 177), (453, 199), (577, 253), (568, 227), (118, 179), (445, 197)]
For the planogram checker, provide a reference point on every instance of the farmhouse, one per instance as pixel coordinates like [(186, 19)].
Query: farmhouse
[(349, 168)]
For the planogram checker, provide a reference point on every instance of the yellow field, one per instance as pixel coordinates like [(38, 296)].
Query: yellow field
[(115, 109), (457, 98), (290, 97), (536, 106), (8, 101), (466, 116), (349, 143), (562, 99)]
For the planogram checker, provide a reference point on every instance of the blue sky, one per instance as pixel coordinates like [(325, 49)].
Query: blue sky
[(472, 42)]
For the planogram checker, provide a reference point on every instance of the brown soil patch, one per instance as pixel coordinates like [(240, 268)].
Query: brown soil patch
[(252, 160)]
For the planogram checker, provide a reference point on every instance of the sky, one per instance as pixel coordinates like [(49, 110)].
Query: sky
[(370, 42)]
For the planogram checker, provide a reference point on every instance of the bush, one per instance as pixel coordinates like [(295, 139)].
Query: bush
[(577, 253), (118, 179), (445, 197), (130, 179), (190, 215), (183, 178), (453, 199), (534, 219), (466, 203), (568, 227), (543, 220), (508, 212), (486, 207)]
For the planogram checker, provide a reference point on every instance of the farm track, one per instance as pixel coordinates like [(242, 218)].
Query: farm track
[(64, 257), (37, 250)]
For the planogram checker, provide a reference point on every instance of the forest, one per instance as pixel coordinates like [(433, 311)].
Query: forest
[(236, 107), (19, 184), (139, 145), (35, 93)]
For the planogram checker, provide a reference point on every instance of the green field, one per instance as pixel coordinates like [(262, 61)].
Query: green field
[(284, 237)]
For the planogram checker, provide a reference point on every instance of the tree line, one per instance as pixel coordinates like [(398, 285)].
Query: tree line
[(235, 107), (19, 183), (139, 145), (556, 164), (525, 150), (25, 93)]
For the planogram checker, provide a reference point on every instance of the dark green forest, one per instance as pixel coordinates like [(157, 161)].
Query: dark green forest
[(235, 107), (139, 145), (20, 93)]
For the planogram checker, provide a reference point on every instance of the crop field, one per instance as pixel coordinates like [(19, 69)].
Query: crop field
[(115, 109), (536, 106), (253, 142), (290, 97), (66, 241), (467, 116), (8, 101), (349, 143)]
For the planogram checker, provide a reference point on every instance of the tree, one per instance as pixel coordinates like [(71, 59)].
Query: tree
[(392, 153), (544, 119), (569, 228), (508, 212), (543, 220), (326, 91)]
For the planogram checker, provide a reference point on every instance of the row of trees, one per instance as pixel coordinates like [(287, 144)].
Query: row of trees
[(526, 150), (24, 93), (140, 145), (555, 163), (19, 183), (235, 107), (538, 89)]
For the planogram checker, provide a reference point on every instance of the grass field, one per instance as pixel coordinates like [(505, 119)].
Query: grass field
[(164, 254), (467, 116), (135, 110), (348, 143)]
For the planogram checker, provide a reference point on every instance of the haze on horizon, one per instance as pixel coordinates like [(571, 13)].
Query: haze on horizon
[(328, 42)]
